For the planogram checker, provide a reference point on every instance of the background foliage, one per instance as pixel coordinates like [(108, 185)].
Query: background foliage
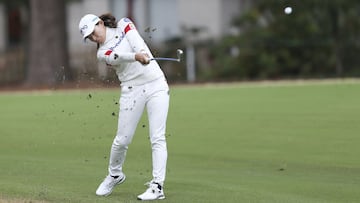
[(318, 39)]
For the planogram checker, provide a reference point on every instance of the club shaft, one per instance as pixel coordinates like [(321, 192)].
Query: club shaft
[(164, 59)]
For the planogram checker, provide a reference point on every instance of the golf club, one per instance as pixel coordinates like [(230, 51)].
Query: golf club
[(179, 52)]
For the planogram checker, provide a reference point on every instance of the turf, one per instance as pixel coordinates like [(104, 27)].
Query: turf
[(227, 143)]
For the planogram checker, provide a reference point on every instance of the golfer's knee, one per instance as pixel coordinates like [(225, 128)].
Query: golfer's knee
[(122, 140)]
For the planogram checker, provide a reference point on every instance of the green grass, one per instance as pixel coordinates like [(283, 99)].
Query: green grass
[(227, 143)]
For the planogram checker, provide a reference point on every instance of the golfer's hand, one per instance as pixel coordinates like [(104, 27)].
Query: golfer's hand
[(143, 58)]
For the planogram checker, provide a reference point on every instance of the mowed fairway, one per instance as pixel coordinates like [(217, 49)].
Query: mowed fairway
[(277, 142)]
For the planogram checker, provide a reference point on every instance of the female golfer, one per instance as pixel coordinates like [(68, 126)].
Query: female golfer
[(142, 85)]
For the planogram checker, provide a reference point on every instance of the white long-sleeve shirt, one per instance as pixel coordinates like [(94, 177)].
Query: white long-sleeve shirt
[(119, 49)]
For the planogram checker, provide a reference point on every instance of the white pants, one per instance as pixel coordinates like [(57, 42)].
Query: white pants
[(133, 100)]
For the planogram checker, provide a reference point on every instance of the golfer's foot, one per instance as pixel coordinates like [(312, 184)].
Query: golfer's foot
[(107, 186), (154, 192)]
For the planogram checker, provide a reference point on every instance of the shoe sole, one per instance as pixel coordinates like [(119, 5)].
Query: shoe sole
[(118, 183), (159, 198)]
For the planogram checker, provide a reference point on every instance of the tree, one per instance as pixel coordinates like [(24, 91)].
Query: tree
[(48, 52), (319, 39)]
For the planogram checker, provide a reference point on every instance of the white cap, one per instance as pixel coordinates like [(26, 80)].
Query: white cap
[(87, 24)]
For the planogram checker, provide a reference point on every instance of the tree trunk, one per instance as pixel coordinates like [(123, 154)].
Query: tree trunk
[(48, 52)]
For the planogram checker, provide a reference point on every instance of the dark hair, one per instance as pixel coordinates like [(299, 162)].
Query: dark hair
[(109, 20)]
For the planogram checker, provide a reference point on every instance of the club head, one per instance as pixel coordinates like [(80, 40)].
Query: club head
[(179, 52)]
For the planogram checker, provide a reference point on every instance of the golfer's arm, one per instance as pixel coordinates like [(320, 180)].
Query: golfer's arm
[(114, 58), (136, 41), (132, 35)]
